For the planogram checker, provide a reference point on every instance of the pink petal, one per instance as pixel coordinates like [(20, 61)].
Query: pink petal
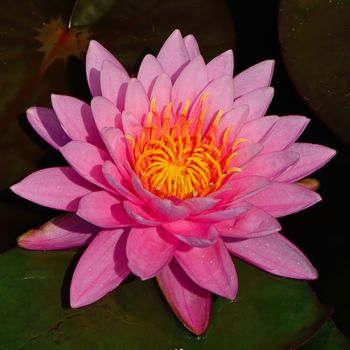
[(144, 194), (200, 204), (105, 113), (220, 97), (243, 188), (196, 234), (173, 55), (312, 157), (253, 223), (95, 56), (275, 254), (269, 165), (221, 65), (45, 123), (63, 232), (190, 303), (102, 267), (149, 70), (191, 46), (118, 182), (118, 149), (282, 199), (167, 210), (161, 91), (59, 188), (211, 268), (258, 101), (233, 120), (87, 160), (76, 119), (246, 154), (113, 83), (255, 77), (104, 210), (285, 131), (141, 214), (255, 130), (136, 101), (131, 124), (189, 84), (217, 215), (148, 250)]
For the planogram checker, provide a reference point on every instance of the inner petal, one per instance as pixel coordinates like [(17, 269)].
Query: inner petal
[(180, 159)]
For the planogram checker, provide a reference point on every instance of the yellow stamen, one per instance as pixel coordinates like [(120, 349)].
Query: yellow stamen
[(178, 160)]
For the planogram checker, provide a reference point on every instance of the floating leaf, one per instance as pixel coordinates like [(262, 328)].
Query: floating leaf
[(328, 338), (314, 38), (269, 313)]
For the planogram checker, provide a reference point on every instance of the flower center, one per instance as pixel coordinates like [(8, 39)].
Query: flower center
[(179, 160)]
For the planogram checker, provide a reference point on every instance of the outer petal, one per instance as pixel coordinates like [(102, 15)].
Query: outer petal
[(136, 100), (195, 234), (173, 55), (255, 130), (102, 268), (59, 188), (87, 160), (269, 165), (149, 70), (246, 154), (113, 83), (190, 303), (95, 56), (285, 131), (45, 123), (243, 188), (220, 97), (213, 261), (190, 83), (104, 210), (64, 232), (148, 250), (255, 77), (217, 215), (253, 223), (282, 199), (312, 157), (105, 113), (76, 119), (275, 254), (191, 46), (221, 65), (258, 101)]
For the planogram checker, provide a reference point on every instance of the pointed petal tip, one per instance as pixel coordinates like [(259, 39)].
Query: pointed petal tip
[(23, 240), (76, 302)]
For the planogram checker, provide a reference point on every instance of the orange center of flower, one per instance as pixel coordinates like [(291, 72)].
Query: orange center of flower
[(179, 160)]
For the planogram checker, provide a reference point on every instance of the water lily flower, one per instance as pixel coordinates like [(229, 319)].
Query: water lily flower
[(169, 173)]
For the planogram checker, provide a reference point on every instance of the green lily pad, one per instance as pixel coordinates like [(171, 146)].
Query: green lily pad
[(269, 313), (328, 338), (314, 38)]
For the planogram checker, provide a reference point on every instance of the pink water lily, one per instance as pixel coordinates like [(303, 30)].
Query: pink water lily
[(169, 173)]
